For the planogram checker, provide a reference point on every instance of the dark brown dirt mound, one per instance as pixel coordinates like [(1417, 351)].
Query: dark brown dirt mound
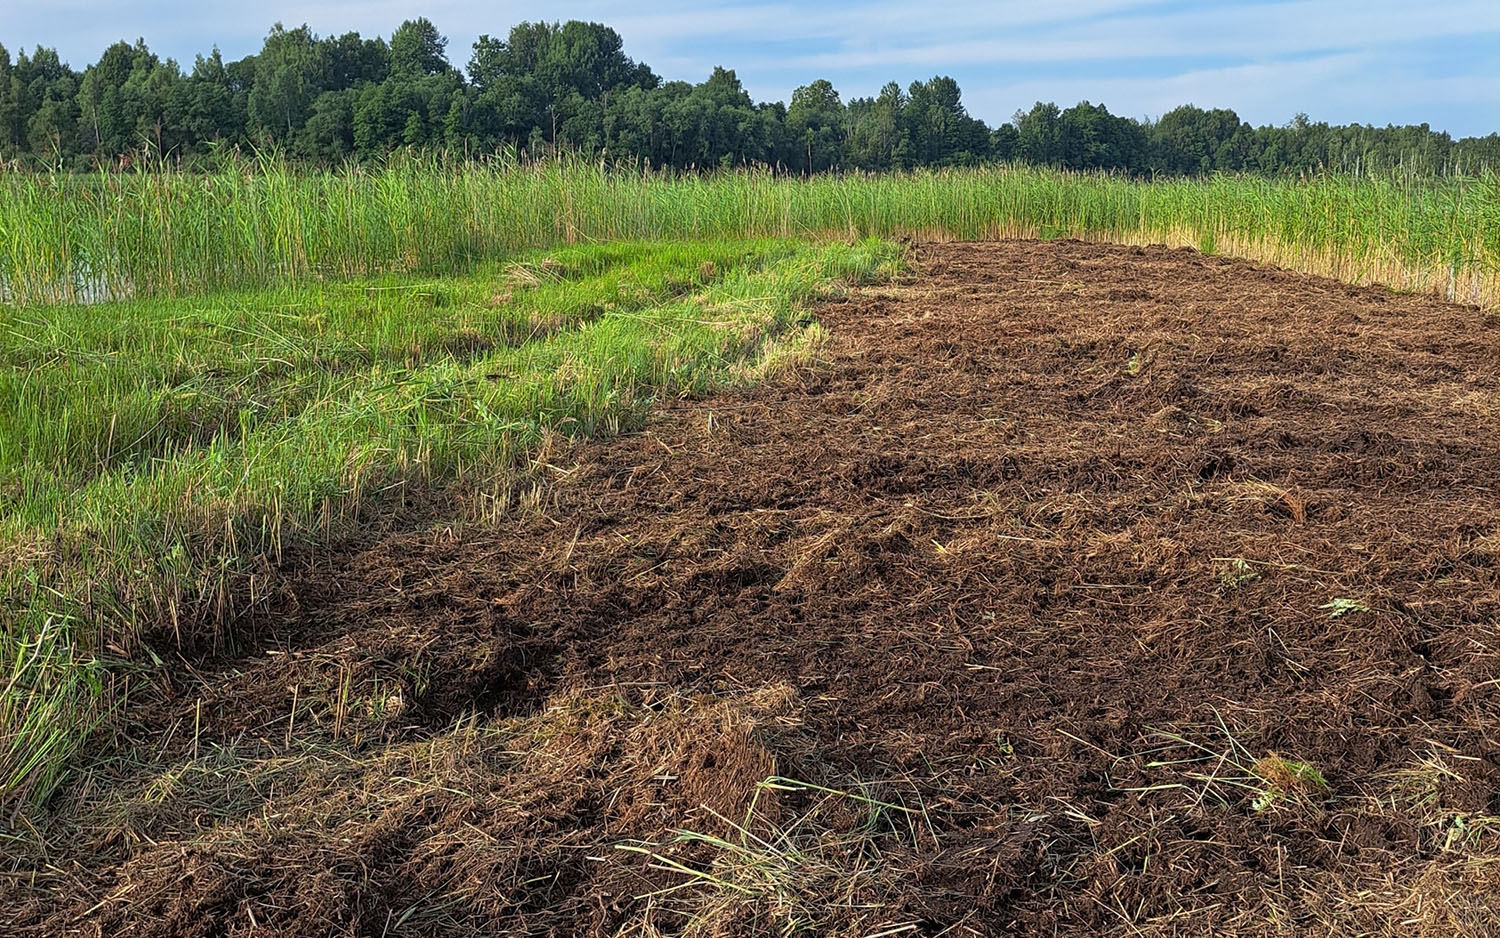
[(1082, 590)]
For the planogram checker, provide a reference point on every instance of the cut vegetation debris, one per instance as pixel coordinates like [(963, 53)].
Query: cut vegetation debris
[(717, 678)]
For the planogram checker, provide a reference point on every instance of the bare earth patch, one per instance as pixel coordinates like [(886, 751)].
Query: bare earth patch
[(1081, 590)]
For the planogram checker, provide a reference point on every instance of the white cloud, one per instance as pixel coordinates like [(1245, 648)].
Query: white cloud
[(1336, 88), (1260, 32)]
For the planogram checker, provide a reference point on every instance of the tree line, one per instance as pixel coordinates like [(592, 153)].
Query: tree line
[(550, 86)]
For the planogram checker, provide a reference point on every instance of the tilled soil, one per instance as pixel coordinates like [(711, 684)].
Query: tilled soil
[(1080, 589)]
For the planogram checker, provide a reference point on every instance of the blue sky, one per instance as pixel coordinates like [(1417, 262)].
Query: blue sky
[(1366, 61)]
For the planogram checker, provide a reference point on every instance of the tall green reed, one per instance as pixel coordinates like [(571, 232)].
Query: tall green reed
[(262, 222)]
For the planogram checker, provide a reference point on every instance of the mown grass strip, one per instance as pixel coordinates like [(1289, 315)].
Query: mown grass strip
[(154, 454)]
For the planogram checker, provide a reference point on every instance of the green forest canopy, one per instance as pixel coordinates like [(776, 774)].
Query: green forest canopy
[(571, 85)]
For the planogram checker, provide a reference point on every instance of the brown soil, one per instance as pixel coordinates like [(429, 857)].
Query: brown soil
[(1081, 590)]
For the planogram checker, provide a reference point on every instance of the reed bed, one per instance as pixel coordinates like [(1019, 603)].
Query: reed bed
[(260, 223)]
